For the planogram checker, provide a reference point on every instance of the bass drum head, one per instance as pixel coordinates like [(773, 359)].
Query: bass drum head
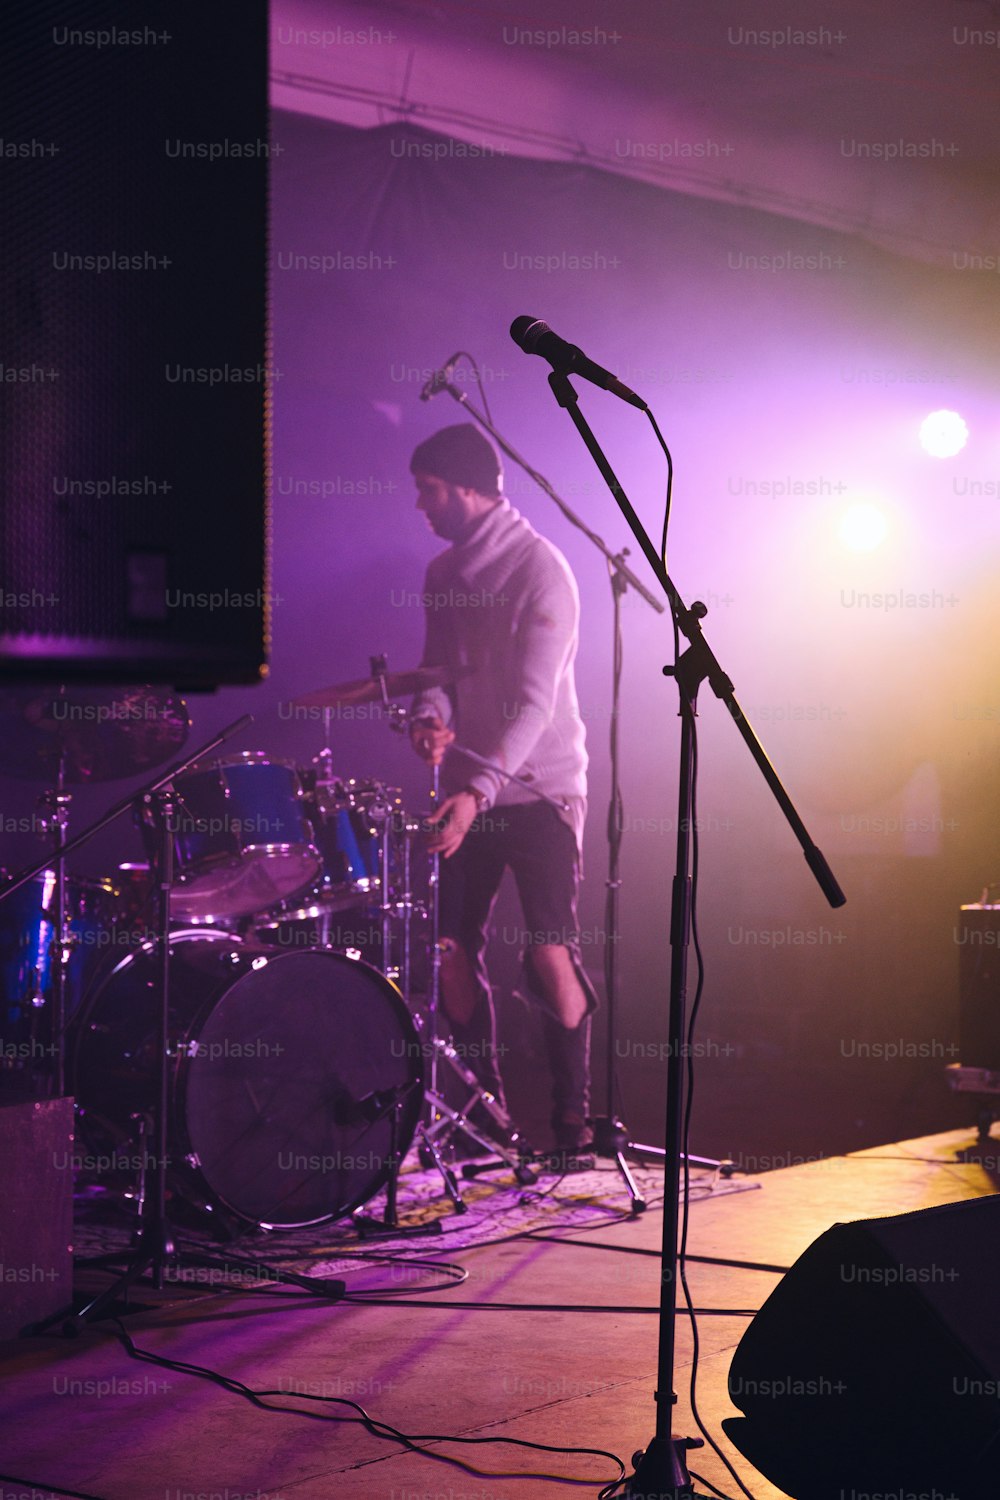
[(290, 1084)]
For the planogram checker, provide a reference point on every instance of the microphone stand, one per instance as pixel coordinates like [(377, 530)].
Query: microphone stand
[(612, 1137), (661, 1469)]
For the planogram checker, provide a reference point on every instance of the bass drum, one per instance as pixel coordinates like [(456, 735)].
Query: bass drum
[(284, 1073)]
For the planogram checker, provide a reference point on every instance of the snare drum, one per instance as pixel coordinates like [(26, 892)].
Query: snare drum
[(242, 842)]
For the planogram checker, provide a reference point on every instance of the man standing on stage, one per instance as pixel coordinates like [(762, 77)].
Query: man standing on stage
[(502, 609)]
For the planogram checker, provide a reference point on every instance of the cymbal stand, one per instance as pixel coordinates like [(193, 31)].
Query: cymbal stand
[(434, 978), (407, 903), (397, 901), (56, 802), (444, 1121)]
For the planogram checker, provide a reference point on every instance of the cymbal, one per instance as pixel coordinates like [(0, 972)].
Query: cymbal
[(397, 685), (96, 733)]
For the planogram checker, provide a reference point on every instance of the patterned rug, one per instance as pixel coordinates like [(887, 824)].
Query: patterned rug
[(497, 1208)]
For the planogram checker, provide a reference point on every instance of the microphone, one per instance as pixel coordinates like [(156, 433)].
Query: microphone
[(348, 1112), (536, 337), (440, 378)]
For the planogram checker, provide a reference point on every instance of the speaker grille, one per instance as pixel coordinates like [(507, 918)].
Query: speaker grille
[(134, 342)]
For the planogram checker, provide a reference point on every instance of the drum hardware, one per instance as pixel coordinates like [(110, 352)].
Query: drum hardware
[(367, 1225), (401, 906), (76, 735), (365, 840), (282, 1071), (443, 1122), (42, 980), (153, 1247), (37, 951), (242, 842), (397, 902), (506, 1143)]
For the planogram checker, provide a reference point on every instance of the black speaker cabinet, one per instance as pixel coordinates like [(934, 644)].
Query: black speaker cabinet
[(134, 356), (978, 939), (36, 1211), (874, 1366)]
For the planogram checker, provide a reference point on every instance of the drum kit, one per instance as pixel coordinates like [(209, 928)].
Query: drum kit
[(306, 1048)]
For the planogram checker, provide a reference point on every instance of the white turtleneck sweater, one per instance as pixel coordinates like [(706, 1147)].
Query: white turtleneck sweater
[(502, 600)]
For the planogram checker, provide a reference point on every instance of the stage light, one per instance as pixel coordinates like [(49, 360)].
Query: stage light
[(863, 526), (943, 433)]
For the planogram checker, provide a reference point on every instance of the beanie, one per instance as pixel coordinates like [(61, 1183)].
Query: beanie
[(461, 455)]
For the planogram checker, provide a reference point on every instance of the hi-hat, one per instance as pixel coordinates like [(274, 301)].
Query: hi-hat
[(369, 689)]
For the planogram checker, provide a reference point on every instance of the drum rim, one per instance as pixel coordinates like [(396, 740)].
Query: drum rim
[(147, 947), (243, 758), (185, 883), (233, 861), (272, 918)]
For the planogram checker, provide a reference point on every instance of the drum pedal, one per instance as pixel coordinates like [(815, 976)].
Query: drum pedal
[(524, 1172)]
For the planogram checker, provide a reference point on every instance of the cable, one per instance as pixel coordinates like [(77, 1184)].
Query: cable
[(464, 354), (669, 495), (615, 831), (708, 1260), (278, 1275), (708, 1484), (688, 709), (359, 1300), (35, 1484), (411, 1441), (688, 1108), (666, 523)]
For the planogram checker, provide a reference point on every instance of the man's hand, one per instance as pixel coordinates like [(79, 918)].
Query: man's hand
[(457, 815), (430, 739)]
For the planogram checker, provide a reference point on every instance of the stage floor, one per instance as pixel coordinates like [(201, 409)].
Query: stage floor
[(82, 1415)]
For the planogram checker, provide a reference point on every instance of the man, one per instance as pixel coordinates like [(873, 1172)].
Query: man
[(502, 604)]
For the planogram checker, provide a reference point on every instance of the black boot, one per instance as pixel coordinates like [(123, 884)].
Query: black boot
[(569, 1059)]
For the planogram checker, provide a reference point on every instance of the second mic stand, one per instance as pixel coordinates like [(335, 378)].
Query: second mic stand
[(611, 1135)]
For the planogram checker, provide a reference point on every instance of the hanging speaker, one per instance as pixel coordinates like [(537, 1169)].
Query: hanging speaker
[(133, 342), (874, 1366)]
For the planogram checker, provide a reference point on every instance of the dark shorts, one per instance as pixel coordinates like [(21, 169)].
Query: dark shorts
[(539, 848)]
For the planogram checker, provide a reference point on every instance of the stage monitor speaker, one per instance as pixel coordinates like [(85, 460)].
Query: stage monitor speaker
[(874, 1366), (36, 1211), (133, 342), (978, 937)]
